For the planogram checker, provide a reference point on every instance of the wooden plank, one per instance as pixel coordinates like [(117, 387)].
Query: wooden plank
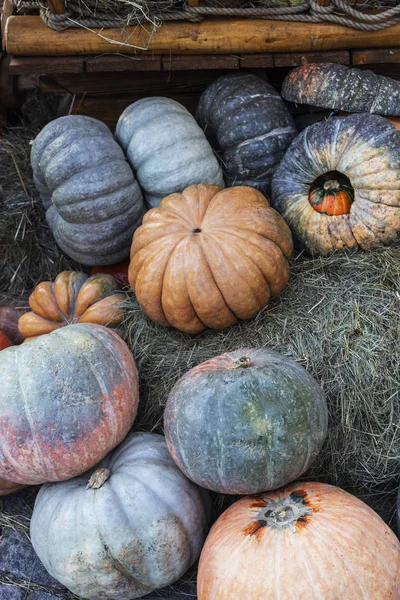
[(196, 62), (28, 35), (5, 14), (46, 65), (379, 56), (294, 59), (101, 64), (161, 83), (257, 61)]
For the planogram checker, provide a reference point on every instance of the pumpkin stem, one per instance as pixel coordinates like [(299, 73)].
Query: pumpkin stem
[(243, 362), (332, 184), (97, 479)]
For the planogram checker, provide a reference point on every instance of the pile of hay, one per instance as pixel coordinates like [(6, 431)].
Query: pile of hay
[(339, 317)]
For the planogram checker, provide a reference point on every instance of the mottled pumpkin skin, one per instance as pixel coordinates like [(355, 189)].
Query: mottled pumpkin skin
[(248, 124), (365, 148), (9, 487), (166, 148), (72, 298), (206, 257), (329, 85), (308, 540), (66, 399), (5, 341), (258, 417), (93, 201), (139, 531)]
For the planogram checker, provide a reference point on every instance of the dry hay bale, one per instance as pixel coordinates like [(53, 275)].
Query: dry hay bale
[(339, 317)]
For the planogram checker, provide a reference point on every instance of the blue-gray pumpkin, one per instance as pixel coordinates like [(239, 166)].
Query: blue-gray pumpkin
[(166, 148), (133, 525), (94, 204), (248, 421), (249, 126)]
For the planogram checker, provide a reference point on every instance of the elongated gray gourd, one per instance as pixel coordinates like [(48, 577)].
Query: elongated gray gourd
[(94, 204), (337, 87), (248, 124), (166, 148)]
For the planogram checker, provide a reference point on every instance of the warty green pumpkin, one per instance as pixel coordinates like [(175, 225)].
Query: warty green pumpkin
[(93, 202), (354, 161), (249, 126), (131, 526), (334, 86), (248, 421), (166, 148)]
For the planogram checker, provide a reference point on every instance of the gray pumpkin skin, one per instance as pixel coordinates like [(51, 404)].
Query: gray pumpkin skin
[(140, 531), (245, 429), (247, 122), (338, 87), (166, 148), (94, 204), (365, 148), (66, 400)]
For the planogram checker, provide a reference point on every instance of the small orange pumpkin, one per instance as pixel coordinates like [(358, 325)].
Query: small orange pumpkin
[(208, 257), (119, 271), (72, 298), (307, 540), (331, 195)]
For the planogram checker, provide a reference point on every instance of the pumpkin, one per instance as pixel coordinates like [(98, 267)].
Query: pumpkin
[(119, 271), (93, 201), (206, 257), (334, 86), (9, 487), (9, 322), (166, 148), (66, 399), (259, 418), (338, 185), (249, 125), (308, 540), (135, 525), (72, 298), (5, 341)]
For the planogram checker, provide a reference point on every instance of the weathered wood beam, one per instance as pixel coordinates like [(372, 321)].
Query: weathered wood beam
[(28, 35)]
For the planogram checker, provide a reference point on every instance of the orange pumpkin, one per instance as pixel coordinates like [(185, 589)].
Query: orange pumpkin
[(307, 540), (331, 194), (9, 487), (208, 257), (72, 298), (119, 271), (5, 341)]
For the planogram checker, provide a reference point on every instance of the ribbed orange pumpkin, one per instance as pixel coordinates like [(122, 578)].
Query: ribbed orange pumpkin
[(206, 257), (305, 541), (72, 298)]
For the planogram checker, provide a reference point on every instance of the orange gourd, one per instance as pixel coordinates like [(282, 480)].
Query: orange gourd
[(72, 298), (304, 541), (9, 487), (208, 257), (331, 194)]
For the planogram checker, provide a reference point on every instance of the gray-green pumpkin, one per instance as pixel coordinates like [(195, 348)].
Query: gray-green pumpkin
[(94, 204), (334, 86), (166, 148), (132, 525), (248, 421), (249, 126)]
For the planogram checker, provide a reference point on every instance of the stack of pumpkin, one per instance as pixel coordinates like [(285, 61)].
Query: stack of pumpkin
[(122, 513)]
